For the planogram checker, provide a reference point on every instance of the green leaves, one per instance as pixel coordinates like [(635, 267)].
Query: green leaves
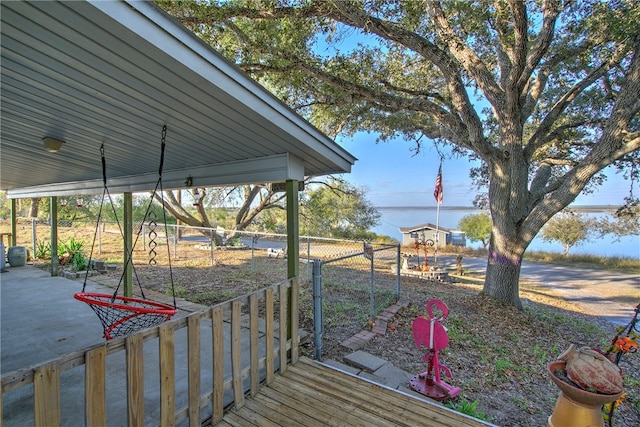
[(477, 227), (568, 228), (337, 209)]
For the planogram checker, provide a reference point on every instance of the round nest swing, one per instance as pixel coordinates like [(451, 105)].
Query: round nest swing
[(122, 315)]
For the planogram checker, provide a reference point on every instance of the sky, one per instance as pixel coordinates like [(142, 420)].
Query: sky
[(396, 176)]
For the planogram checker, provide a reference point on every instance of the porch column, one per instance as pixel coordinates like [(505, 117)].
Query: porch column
[(53, 218), (293, 248), (14, 218), (293, 230), (128, 242)]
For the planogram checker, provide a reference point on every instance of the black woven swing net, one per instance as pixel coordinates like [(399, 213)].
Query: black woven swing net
[(121, 316)]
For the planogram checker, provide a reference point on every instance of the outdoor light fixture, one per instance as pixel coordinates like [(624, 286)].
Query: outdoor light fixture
[(63, 201), (52, 145), (79, 202)]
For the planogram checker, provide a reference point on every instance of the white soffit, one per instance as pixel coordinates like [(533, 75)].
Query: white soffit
[(114, 73)]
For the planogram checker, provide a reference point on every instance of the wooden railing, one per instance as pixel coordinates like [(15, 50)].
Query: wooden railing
[(256, 325)]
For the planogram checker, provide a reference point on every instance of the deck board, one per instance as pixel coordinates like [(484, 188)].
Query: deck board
[(309, 393)]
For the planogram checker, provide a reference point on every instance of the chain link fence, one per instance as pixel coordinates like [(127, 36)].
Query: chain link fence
[(355, 284), (350, 289)]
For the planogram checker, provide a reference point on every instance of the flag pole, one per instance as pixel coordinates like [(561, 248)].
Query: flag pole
[(435, 253), (437, 193)]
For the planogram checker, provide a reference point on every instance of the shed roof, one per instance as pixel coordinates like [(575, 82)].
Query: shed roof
[(425, 226), (114, 73)]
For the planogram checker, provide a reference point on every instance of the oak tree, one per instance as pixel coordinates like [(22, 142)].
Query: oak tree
[(545, 93)]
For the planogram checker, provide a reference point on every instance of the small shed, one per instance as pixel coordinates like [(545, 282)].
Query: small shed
[(427, 231)]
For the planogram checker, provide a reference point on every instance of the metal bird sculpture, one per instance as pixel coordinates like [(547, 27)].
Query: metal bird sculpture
[(431, 334)]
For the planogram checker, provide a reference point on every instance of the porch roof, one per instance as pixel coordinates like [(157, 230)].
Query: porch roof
[(114, 73)]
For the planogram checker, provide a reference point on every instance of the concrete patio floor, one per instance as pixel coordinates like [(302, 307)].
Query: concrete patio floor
[(41, 321)]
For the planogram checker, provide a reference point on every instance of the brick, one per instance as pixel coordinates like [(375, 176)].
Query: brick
[(395, 308), (379, 327), (385, 315), (353, 344), (365, 335)]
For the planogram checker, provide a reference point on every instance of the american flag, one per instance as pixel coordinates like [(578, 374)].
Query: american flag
[(437, 193)]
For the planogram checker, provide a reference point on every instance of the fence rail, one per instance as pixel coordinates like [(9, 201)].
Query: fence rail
[(216, 377), (354, 288)]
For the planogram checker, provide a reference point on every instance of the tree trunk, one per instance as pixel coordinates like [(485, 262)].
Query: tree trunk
[(502, 280), (508, 204), (33, 209), (506, 247)]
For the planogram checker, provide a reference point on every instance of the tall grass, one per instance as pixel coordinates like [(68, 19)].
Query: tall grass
[(614, 263)]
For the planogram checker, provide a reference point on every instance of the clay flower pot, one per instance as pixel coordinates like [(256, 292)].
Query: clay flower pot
[(592, 371), (575, 394), (576, 407)]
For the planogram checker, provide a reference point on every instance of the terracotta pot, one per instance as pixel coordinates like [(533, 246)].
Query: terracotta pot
[(575, 394), (576, 407), (590, 370)]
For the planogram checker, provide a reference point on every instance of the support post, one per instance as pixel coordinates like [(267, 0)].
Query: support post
[(317, 307), (14, 224), (34, 236), (293, 242), (293, 230), (128, 243), (53, 218)]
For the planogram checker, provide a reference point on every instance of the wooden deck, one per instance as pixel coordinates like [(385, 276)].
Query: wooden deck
[(311, 394)]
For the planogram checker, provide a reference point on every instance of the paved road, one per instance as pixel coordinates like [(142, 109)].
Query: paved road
[(606, 294)]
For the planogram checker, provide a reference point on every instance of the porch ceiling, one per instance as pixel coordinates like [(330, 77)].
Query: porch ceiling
[(113, 73)]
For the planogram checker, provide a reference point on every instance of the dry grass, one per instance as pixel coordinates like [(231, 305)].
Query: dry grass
[(497, 354)]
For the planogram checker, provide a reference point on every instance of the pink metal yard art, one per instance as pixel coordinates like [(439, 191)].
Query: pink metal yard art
[(433, 335)]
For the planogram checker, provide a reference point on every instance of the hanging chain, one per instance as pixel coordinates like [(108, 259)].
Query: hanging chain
[(153, 224), (152, 238)]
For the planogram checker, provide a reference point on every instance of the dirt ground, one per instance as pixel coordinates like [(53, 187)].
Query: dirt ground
[(496, 354)]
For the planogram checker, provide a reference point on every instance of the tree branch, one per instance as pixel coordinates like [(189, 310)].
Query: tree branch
[(538, 138), (466, 57), (550, 12), (539, 84)]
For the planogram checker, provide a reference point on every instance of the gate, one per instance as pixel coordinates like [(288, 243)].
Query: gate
[(350, 290)]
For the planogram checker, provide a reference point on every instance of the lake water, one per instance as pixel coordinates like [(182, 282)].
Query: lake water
[(394, 217)]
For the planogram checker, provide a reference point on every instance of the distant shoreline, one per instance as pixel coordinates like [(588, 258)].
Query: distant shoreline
[(580, 208)]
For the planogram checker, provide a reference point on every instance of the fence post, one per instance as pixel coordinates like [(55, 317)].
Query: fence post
[(308, 255), (175, 242), (398, 270), (317, 307), (213, 242), (99, 228), (253, 245), (33, 237), (372, 313)]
